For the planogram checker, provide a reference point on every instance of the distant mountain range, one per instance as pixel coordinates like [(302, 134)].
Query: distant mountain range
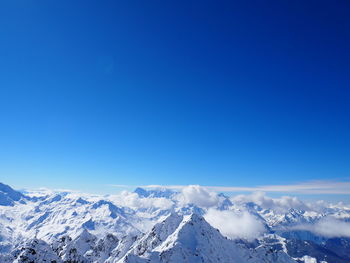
[(163, 226)]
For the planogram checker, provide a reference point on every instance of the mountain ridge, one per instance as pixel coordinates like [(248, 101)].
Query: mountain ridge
[(156, 227)]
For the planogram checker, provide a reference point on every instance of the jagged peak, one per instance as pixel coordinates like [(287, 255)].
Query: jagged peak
[(195, 217), (169, 224), (196, 224), (84, 235), (35, 250)]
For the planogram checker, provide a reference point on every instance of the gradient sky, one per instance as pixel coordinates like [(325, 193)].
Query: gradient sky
[(222, 93)]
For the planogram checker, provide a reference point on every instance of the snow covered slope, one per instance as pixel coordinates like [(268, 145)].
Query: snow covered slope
[(193, 225), (192, 239), (8, 196)]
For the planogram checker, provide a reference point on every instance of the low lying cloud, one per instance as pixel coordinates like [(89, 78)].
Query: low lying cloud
[(281, 204), (132, 200), (235, 225), (327, 227), (199, 196)]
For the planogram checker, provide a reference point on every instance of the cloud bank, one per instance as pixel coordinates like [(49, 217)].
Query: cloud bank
[(282, 204), (235, 225), (199, 196), (130, 199), (327, 227)]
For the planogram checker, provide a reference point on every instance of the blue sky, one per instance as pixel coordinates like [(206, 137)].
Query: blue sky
[(228, 93)]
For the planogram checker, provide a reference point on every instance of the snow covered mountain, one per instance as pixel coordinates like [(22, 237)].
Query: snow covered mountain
[(192, 239), (8, 196), (193, 225)]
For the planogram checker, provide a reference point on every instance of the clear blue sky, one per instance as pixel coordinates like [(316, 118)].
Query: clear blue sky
[(173, 92)]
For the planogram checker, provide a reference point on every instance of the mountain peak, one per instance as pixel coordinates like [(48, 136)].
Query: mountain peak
[(36, 250), (9, 196), (141, 192)]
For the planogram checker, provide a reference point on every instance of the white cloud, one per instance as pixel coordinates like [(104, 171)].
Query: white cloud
[(199, 196), (327, 227), (133, 200), (281, 204), (235, 225)]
